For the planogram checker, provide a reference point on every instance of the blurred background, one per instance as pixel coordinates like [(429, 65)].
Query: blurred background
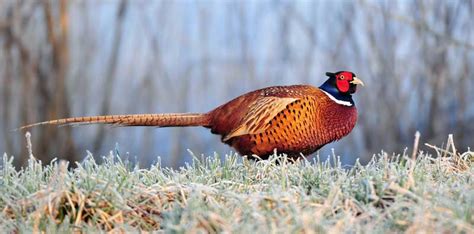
[(67, 58)]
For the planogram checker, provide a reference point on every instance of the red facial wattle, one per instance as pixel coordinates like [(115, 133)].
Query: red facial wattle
[(342, 85), (342, 81)]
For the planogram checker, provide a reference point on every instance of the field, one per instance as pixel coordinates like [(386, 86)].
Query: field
[(434, 193)]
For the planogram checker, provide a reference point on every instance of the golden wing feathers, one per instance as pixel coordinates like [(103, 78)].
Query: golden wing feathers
[(260, 112)]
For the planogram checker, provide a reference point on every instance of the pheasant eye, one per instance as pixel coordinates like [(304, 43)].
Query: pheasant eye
[(341, 77)]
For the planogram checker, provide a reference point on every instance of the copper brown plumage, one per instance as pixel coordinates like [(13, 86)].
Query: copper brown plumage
[(295, 120)]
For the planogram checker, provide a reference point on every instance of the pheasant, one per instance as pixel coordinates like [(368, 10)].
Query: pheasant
[(294, 120)]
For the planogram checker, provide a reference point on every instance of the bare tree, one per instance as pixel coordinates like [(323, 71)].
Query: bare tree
[(111, 74), (415, 58), (56, 99)]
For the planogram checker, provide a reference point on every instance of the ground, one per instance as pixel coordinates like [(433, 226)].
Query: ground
[(393, 193)]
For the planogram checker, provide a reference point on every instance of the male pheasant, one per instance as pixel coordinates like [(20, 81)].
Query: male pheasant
[(295, 120)]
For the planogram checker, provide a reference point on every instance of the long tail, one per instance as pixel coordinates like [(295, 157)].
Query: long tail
[(157, 120)]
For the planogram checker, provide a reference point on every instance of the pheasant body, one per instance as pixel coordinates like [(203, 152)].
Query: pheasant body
[(308, 120), (295, 120)]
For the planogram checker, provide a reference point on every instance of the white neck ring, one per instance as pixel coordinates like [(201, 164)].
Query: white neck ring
[(340, 102)]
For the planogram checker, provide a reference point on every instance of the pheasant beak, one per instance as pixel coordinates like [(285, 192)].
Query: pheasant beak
[(357, 81)]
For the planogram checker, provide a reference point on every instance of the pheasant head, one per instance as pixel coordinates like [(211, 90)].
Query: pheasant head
[(340, 86)]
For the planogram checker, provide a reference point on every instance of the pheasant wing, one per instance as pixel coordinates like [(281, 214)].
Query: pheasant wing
[(261, 111)]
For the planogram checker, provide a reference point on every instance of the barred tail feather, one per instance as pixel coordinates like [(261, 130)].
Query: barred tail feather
[(157, 120)]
